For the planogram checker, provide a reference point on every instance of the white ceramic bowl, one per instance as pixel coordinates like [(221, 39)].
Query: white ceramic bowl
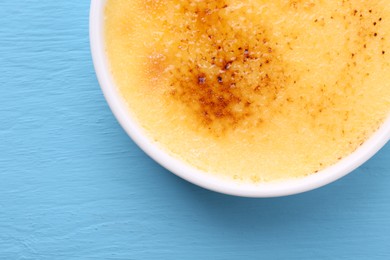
[(191, 174)]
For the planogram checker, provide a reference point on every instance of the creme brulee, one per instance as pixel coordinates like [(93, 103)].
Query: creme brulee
[(253, 90)]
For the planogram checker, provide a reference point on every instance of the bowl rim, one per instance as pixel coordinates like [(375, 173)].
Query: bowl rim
[(190, 173)]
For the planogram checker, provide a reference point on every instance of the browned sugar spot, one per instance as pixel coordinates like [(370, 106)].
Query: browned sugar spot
[(224, 68)]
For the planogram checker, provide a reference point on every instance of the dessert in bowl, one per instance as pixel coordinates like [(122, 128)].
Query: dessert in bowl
[(250, 98)]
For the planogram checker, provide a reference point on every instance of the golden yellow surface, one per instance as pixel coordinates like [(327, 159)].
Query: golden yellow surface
[(253, 90)]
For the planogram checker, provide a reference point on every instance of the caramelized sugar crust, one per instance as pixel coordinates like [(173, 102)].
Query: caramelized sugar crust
[(254, 90)]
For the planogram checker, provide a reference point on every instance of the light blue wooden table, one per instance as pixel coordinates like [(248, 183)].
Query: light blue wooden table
[(74, 186)]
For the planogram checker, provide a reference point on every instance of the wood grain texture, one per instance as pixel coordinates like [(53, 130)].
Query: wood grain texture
[(74, 186)]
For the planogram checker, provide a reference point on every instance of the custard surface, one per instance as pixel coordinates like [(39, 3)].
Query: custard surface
[(253, 90)]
